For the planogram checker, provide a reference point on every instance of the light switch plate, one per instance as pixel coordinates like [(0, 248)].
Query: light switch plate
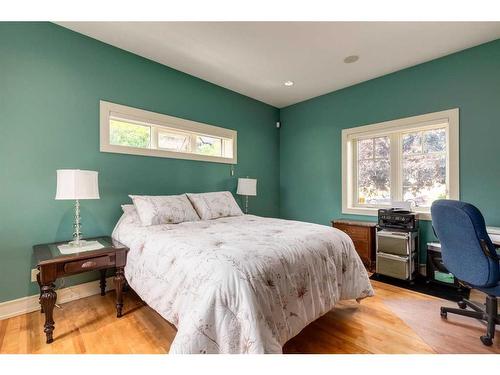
[(34, 273)]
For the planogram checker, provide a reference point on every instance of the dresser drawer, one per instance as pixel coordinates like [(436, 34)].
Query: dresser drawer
[(363, 249), (88, 264), (362, 235), (356, 233)]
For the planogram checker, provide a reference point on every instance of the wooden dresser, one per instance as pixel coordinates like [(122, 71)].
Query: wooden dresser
[(362, 234)]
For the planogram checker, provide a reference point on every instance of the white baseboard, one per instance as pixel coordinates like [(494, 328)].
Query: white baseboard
[(29, 304)]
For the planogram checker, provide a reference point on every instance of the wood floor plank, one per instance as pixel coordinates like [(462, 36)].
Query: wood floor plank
[(3, 329), (89, 325)]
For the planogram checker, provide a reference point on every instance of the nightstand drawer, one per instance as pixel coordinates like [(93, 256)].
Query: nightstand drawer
[(356, 233), (88, 264)]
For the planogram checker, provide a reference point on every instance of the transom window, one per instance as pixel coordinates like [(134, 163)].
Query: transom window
[(134, 131), (413, 159)]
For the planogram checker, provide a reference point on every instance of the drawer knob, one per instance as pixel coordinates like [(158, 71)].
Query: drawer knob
[(89, 264)]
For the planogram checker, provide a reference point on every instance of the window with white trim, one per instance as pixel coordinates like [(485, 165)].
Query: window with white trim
[(414, 159), (129, 130)]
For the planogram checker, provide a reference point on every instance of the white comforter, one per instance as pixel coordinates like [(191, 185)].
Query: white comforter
[(242, 284)]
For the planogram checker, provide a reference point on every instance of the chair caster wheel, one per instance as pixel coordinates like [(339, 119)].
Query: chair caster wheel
[(486, 340), (462, 304), (444, 314)]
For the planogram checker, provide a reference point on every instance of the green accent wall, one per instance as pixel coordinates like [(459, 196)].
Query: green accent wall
[(310, 137), (51, 81)]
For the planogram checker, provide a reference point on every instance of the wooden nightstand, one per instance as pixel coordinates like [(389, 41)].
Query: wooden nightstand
[(52, 265), (363, 235)]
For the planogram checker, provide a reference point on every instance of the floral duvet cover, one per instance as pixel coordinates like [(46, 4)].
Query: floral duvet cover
[(243, 284)]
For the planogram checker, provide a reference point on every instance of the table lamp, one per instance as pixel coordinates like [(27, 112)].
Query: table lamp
[(76, 184), (247, 187)]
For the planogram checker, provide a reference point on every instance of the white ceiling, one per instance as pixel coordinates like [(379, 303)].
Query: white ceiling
[(256, 58)]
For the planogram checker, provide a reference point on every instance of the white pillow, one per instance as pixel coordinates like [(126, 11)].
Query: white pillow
[(166, 209), (130, 214), (128, 208), (215, 205)]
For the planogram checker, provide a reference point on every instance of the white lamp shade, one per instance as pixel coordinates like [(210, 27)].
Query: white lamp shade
[(247, 186), (77, 184)]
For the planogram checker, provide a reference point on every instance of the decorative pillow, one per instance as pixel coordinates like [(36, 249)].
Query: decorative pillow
[(128, 208), (167, 209), (130, 215), (130, 212), (215, 205)]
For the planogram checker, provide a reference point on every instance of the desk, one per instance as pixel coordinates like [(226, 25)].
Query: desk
[(494, 233)]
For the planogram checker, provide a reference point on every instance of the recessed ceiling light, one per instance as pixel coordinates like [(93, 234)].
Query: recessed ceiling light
[(288, 83), (351, 59)]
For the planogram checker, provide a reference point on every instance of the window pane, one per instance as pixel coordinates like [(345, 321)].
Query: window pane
[(374, 185), (123, 133), (424, 178), (365, 148), (424, 167), (435, 140), (209, 146), (412, 143), (382, 147), (374, 171), (173, 141)]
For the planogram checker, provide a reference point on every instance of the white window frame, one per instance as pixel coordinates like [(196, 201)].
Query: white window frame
[(156, 121), (393, 129)]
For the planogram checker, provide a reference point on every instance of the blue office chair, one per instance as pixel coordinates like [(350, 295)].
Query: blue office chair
[(469, 254)]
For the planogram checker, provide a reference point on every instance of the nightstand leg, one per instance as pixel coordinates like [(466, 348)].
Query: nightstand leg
[(126, 287), (102, 283), (40, 286), (119, 283), (48, 301)]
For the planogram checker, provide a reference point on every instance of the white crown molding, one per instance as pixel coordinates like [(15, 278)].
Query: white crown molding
[(25, 305)]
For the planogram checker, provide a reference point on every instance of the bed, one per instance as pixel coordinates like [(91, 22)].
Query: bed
[(242, 284)]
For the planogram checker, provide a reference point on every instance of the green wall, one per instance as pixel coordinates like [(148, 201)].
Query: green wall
[(310, 137), (51, 81)]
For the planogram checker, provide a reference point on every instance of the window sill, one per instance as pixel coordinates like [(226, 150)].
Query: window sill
[(161, 153), (366, 211)]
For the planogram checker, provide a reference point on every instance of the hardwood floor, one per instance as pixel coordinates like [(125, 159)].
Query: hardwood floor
[(89, 325)]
